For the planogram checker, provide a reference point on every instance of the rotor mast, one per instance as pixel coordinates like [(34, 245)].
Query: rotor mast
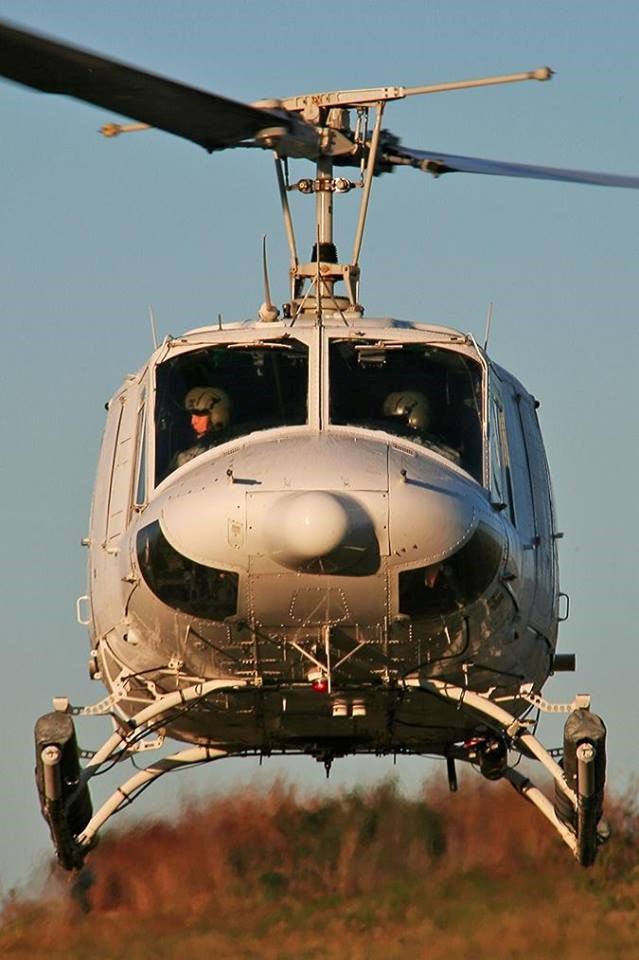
[(329, 113), (313, 127)]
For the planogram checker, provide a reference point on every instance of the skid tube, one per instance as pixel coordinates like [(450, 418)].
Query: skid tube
[(66, 805), (63, 785), (575, 814)]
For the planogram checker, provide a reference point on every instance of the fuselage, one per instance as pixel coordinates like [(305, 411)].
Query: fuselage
[(374, 503)]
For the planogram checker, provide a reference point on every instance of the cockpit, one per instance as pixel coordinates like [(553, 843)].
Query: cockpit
[(243, 387), (417, 391), (421, 392)]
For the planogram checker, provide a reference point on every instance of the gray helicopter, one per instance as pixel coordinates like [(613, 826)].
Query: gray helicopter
[(316, 532)]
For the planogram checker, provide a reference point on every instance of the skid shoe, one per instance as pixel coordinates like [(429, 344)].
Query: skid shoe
[(64, 798), (584, 766)]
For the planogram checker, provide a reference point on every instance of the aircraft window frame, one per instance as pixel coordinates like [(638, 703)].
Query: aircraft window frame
[(123, 463), (109, 535), (540, 478), (270, 389), (501, 485), (140, 498), (520, 470), (543, 501), (445, 386)]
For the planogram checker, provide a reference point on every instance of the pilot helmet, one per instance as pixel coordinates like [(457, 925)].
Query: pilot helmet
[(411, 406), (211, 400)]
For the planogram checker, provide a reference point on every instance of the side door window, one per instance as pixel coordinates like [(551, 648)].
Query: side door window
[(519, 466), (122, 467), (544, 541), (140, 497), (501, 483)]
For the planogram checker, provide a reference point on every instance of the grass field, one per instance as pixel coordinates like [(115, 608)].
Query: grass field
[(364, 876)]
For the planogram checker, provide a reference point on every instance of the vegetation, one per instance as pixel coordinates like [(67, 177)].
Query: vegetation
[(364, 876)]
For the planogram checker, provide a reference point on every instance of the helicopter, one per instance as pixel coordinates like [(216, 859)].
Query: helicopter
[(315, 532)]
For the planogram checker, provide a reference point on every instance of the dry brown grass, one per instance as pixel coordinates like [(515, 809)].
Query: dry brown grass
[(366, 875)]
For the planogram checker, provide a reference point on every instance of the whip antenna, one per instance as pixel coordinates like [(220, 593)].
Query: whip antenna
[(268, 312), (154, 333), (489, 320)]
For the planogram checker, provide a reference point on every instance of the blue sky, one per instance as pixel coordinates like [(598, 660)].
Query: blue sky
[(94, 231)]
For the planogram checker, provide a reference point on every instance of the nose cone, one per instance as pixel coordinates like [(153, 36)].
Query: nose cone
[(306, 526), (317, 531)]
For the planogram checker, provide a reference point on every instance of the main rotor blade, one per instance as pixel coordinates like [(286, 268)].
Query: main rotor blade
[(440, 163), (205, 118)]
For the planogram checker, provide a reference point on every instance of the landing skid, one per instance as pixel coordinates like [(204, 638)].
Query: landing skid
[(63, 785), (579, 784), (575, 813)]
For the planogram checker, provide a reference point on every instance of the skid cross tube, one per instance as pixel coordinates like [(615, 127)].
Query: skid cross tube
[(154, 711), (585, 835), (119, 747), (126, 793), (524, 786), (509, 725)]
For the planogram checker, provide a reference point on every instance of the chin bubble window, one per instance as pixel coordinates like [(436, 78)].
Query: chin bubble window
[(204, 592), (454, 583)]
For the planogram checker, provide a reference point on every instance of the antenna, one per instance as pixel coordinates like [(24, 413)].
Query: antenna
[(489, 320), (268, 312), (154, 333)]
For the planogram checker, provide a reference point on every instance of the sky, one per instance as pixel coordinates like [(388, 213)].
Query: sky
[(93, 232)]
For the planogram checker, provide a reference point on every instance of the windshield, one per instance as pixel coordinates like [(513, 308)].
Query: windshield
[(214, 394), (423, 393)]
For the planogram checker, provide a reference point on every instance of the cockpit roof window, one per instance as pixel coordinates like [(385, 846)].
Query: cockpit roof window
[(210, 395), (428, 395)]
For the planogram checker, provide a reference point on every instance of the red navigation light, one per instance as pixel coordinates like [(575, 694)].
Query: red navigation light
[(318, 680)]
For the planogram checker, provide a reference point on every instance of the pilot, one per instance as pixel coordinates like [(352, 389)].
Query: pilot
[(210, 412), (415, 419), (410, 408)]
